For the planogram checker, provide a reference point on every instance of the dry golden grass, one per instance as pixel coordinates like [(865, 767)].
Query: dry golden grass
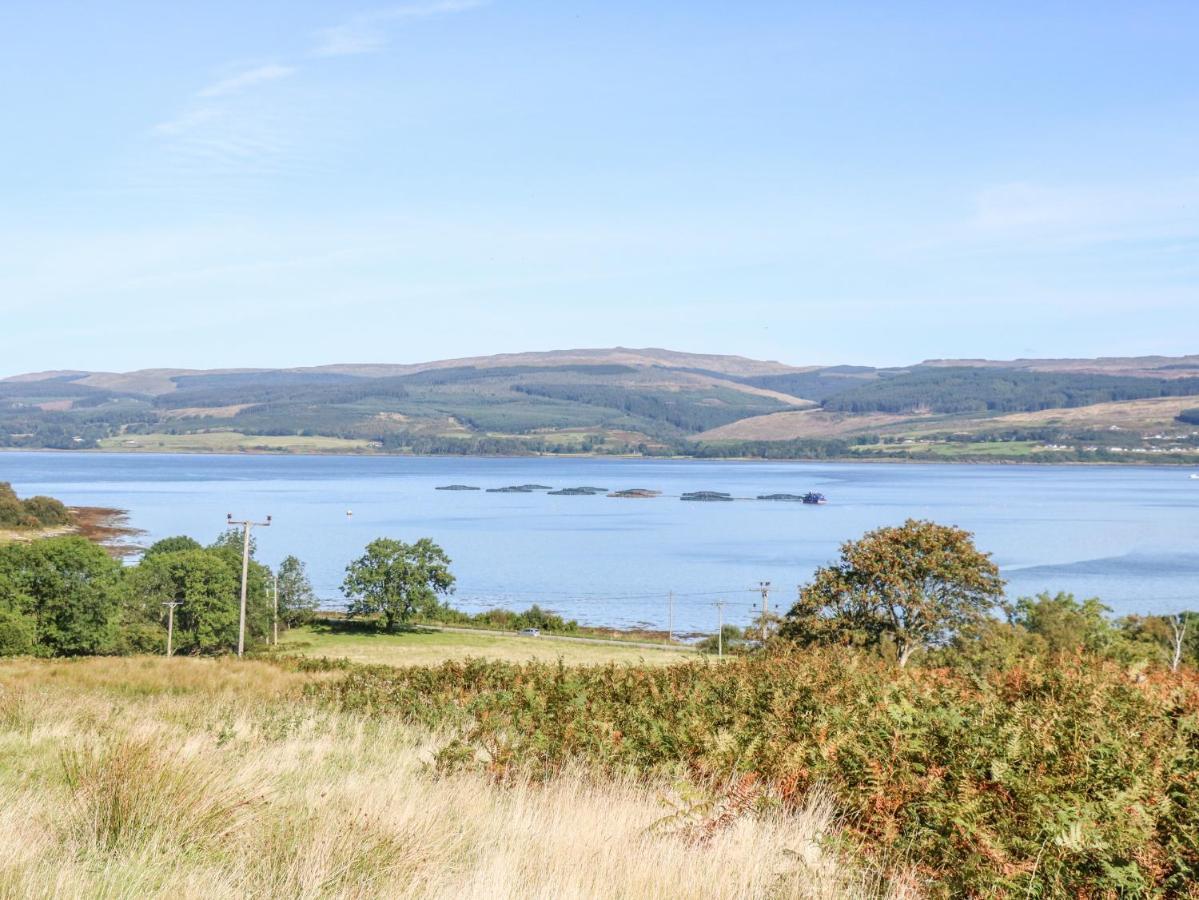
[(1156, 412), (203, 778)]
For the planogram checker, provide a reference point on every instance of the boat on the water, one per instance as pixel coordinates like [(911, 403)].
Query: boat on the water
[(1194, 477), (814, 498)]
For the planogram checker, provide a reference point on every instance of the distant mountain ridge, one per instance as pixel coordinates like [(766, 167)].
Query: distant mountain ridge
[(156, 381), (625, 400)]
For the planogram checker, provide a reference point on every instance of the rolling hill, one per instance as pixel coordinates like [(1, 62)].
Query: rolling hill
[(619, 400)]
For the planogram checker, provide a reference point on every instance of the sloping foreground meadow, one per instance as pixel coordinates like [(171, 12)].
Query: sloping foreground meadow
[(188, 778)]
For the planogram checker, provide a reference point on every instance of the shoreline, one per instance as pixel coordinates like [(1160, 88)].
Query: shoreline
[(104, 525), (998, 461)]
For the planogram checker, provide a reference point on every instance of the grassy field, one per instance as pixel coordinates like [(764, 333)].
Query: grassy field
[(233, 442), (427, 647), (958, 450), (195, 778)]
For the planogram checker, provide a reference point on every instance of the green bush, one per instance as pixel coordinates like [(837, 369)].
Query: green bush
[(18, 634), (34, 512), (506, 619)]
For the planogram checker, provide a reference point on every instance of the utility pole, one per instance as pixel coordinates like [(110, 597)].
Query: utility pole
[(171, 624), (764, 587), (276, 618), (670, 618), (246, 525), (720, 628)]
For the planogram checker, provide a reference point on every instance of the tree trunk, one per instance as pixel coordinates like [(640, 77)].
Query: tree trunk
[(1179, 626), (905, 653)]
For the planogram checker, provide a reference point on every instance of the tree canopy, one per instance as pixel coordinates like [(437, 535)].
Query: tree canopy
[(914, 585), (63, 589), (396, 580)]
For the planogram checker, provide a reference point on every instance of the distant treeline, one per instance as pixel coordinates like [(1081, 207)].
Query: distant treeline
[(801, 448), (983, 390), (434, 445)]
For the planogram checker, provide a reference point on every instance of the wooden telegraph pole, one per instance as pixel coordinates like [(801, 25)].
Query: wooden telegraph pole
[(171, 624), (720, 628), (276, 619), (246, 525)]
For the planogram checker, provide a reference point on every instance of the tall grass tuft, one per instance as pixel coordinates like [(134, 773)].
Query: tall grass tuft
[(129, 792)]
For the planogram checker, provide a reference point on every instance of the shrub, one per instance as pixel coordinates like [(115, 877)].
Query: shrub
[(18, 634), (1051, 777), (34, 512)]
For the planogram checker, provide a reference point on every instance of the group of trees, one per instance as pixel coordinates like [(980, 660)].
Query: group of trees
[(66, 596), (32, 512), (925, 588), (919, 588)]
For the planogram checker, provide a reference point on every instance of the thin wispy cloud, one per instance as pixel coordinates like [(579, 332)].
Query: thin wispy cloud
[(245, 79), (218, 131), (367, 32)]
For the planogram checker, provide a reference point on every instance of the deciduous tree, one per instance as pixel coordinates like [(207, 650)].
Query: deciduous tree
[(396, 580), (915, 585)]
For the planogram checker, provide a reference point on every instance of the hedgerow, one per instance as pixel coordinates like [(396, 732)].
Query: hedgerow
[(1056, 776)]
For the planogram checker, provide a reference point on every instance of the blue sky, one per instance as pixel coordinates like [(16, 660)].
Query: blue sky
[(294, 183)]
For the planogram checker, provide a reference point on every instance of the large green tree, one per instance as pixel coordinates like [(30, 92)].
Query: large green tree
[(914, 585), (204, 584), (396, 580), (66, 587)]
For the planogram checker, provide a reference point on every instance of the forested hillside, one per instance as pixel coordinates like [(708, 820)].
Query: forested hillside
[(628, 401), (975, 390)]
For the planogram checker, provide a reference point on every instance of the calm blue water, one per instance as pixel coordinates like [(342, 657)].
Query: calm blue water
[(1127, 535)]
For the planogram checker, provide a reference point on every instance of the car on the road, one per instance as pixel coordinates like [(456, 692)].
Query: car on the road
[(530, 632)]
